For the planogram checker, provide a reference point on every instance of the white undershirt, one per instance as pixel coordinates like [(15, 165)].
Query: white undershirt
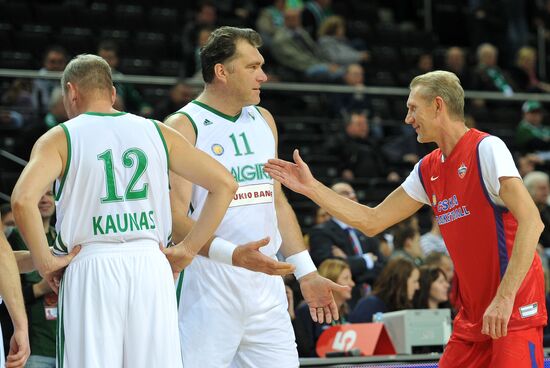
[(495, 160)]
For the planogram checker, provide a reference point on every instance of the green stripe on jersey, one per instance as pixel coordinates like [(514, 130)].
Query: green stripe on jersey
[(68, 164), (219, 113), (119, 113), (179, 287)]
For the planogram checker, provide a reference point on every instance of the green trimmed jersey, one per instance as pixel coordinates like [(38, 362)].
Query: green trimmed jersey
[(115, 187), (243, 144)]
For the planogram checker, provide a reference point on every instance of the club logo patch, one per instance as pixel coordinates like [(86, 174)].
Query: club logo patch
[(217, 149), (462, 171)]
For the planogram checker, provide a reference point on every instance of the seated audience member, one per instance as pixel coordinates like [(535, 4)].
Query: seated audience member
[(56, 110), (18, 97), (531, 134), (6, 216), (433, 292), (340, 103), (294, 49), (337, 239), (455, 61), (488, 76), (538, 186), (359, 155), (180, 95), (406, 244), (442, 261), (524, 72), (269, 20), (338, 271), (313, 15), (335, 45), (55, 60), (432, 241), (205, 16), (130, 98), (394, 290)]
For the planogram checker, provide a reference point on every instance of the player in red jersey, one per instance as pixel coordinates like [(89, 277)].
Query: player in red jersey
[(487, 218)]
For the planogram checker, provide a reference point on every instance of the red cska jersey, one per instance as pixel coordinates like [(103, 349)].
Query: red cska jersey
[(479, 236)]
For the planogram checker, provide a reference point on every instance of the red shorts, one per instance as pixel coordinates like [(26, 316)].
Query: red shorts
[(518, 349)]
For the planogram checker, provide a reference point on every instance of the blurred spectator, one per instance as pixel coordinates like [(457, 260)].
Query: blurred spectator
[(180, 95), (359, 155), (424, 64), (336, 46), (434, 289), (335, 270), (528, 162), (55, 59), (524, 72), (18, 97), (488, 75), (56, 110), (406, 244), (206, 16), (313, 15), (128, 97), (270, 19), (294, 49), (394, 290), (432, 241), (455, 61), (442, 261), (336, 239), (354, 76), (487, 22), (321, 216), (538, 185), (531, 134), (202, 38)]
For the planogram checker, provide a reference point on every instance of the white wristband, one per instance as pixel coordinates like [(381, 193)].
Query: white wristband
[(222, 251), (303, 263)]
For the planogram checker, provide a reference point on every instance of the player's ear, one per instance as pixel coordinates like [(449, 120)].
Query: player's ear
[(220, 72)]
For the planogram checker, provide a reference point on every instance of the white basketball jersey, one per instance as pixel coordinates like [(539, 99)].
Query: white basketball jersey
[(243, 144), (115, 188)]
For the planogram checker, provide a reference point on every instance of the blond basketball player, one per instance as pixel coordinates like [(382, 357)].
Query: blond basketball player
[(117, 300)]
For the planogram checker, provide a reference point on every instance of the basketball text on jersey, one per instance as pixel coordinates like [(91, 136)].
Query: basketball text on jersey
[(454, 214), (121, 223)]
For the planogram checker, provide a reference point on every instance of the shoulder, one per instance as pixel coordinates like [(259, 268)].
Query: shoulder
[(268, 117), (183, 123)]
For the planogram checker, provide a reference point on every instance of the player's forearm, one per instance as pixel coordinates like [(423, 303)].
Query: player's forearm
[(10, 286), (214, 209), (525, 244), (292, 239)]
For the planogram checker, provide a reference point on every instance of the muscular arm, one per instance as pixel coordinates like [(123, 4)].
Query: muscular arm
[(519, 202), (195, 166), (370, 221), (48, 158)]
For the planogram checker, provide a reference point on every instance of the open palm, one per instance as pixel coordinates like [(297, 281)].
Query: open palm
[(293, 175)]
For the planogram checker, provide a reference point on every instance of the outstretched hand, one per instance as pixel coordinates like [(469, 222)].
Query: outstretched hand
[(55, 268), (295, 176), (249, 256), (317, 292)]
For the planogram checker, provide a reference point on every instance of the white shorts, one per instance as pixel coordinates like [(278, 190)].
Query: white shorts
[(118, 309), (232, 317)]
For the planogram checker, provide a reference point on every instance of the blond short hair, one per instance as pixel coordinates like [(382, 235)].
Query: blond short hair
[(89, 72), (445, 85)]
